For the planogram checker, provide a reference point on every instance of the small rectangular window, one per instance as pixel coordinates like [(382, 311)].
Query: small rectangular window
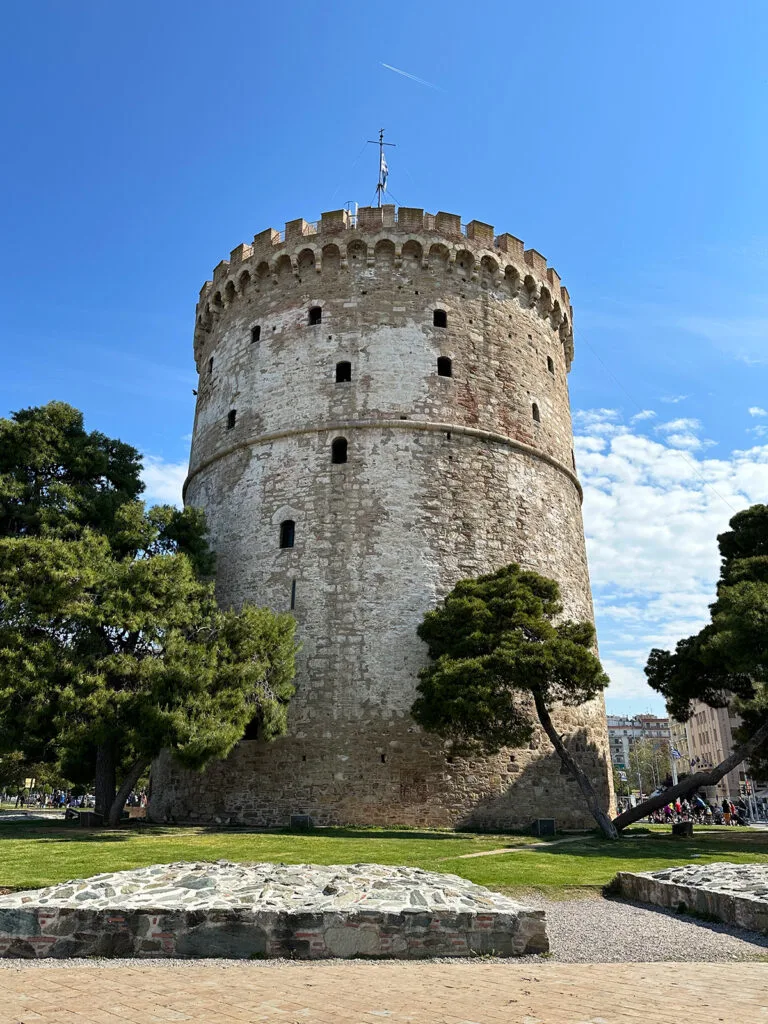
[(231, 417), (255, 333)]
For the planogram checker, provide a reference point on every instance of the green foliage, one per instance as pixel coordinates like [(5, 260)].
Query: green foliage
[(727, 657), (57, 479), (727, 662), (132, 651), (651, 761), (112, 646), (493, 645)]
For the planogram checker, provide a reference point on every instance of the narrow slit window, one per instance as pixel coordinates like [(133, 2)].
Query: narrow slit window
[(210, 365), (315, 316), (551, 365), (293, 595), (231, 418), (287, 536), (444, 366), (535, 413), (343, 372), (339, 450), (440, 318), (255, 333)]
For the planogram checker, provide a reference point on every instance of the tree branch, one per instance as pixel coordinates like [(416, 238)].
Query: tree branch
[(710, 778)]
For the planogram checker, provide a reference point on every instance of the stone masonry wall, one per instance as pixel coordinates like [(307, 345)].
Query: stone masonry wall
[(446, 477)]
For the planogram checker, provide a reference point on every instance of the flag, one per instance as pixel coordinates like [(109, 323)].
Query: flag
[(384, 170), (675, 754)]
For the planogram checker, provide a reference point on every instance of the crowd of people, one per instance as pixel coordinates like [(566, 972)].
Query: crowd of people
[(701, 811), (63, 799)]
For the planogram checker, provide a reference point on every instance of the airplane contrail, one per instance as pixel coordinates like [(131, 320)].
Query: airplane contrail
[(407, 74)]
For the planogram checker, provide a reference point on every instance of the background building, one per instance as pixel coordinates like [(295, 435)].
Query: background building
[(382, 411), (623, 732), (640, 746), (704, 741)]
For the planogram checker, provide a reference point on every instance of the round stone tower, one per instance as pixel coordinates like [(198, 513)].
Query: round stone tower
[(382, 411)]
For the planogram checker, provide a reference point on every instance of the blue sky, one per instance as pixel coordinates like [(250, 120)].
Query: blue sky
[(625, 142)]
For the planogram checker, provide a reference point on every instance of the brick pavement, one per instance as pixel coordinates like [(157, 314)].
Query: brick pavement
[(371, 993)]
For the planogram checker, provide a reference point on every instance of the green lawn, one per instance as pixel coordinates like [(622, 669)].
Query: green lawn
[(38, 853)]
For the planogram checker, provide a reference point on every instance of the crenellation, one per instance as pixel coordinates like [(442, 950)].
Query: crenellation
[(265, 241), (448, 224), (511, 245), (335, 220), (240, 253), (536, 261), (479, 232), (298, 229), (220, 271), (410, 218)]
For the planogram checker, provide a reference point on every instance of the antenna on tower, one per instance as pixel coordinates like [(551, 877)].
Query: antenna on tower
[(381, 188)]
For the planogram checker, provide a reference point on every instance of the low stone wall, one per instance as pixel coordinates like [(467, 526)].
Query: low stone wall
[(733, 893), (264, 910)]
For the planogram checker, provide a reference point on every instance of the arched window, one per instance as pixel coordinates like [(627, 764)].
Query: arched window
[(343, 372), (315, 316), (339, 450), (255, 333), (551, 365), (231, 417), (210, 365), (440, 318), (536, 414), (444, 366), (287, 533)]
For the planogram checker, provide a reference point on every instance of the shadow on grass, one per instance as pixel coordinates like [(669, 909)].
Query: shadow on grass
[(60, 830)]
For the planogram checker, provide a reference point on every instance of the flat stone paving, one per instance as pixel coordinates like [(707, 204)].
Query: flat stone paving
[(267, 910), (734, 893), (351, 992)]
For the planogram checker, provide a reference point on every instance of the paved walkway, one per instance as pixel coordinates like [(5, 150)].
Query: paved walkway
[(363, 993)]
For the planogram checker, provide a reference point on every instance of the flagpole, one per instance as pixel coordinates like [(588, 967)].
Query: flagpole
[(381, 164), (381, 186)]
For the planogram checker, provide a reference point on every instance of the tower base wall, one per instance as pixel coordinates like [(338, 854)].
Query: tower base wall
[(388, 773)]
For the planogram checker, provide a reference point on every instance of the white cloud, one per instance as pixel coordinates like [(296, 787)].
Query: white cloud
[(163, 480), (756, 410), (674, 399), (645, 414), (681, 424), (652, 513), (689, 441), (761, 430)]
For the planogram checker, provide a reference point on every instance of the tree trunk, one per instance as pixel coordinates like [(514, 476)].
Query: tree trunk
[(118, 803), (105, 784), (607, 827), (710, 778)]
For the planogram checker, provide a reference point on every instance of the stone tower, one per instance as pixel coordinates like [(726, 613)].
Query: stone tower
[(383, 410)]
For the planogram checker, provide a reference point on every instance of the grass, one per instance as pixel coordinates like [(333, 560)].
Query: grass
[(38, 853)]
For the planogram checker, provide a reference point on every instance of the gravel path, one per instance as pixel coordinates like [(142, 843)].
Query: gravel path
[(617, 931), (591, 930)]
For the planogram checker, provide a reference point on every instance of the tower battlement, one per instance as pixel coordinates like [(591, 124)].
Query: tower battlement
[(436, 241)]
